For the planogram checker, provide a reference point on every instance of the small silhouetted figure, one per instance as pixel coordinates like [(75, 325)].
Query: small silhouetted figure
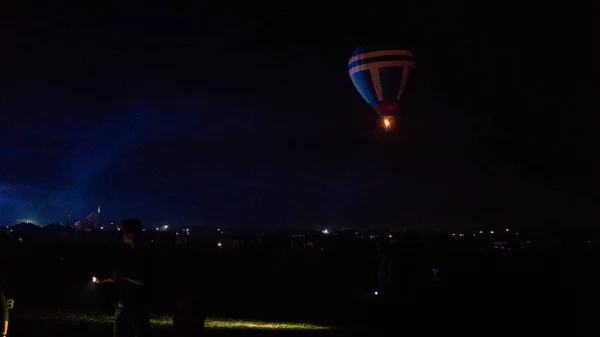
[(4, 308), (131, 277), (435, 276), (190, 300)]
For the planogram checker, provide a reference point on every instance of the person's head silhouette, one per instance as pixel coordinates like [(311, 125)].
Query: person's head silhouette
[(132, 230)]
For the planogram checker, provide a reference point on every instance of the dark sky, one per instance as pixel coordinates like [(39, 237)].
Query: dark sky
[(245, 116)]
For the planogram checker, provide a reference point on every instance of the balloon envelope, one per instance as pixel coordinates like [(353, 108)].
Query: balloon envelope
[(380, 76)]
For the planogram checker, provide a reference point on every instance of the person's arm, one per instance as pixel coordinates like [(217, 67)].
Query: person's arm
[(106, 280), (136, 282), (127, 279), (140, 278), (117, 276), (4, 309)]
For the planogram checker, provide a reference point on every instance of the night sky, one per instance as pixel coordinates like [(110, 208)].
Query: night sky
[(245, 116)]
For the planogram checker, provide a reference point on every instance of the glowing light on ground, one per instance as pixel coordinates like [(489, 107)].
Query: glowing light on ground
[(165, 321)]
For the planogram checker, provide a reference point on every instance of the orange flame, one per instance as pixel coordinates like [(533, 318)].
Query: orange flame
[(388, 123)]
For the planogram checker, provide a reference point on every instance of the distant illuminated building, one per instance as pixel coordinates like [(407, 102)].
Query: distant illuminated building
[(90, 222), (28, 221)]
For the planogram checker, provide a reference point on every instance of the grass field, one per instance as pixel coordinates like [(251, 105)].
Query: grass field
[(44, 323), (162, 321)]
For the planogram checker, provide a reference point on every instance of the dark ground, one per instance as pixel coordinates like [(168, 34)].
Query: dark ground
[(546, 290)]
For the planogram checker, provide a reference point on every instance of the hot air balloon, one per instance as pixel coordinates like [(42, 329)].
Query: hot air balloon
[(380, 76)]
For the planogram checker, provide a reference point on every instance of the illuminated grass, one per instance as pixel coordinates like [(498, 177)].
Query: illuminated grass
[(164, 321), (222, 323)]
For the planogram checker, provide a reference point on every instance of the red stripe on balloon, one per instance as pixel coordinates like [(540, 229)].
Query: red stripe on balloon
[(387, 109)]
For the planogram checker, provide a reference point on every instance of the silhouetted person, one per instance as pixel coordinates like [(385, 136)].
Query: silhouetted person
[(4, 308), (131, 280)]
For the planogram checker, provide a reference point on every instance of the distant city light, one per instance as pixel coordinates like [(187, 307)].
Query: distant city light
[(156, 228), (101, 228), (453, 234), (390, 235), (219, 244), (325, 231), (491, 232), (507, 229), (376, 293), (480, 232)]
